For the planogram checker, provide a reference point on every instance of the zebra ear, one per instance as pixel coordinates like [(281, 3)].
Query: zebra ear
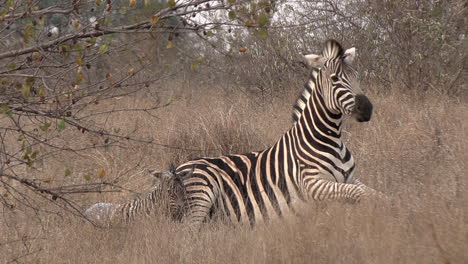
[(349, 55), (156, 174), (314, 61), (162, 175)]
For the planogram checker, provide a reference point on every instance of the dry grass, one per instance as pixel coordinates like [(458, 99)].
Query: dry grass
[(415, 152)]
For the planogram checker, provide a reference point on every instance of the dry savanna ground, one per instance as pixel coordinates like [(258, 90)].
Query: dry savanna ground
[(414, 150)]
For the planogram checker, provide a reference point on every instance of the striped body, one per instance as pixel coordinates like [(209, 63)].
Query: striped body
[(257, 186)]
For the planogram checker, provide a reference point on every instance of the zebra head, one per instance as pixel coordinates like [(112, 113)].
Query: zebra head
[(337, 81)]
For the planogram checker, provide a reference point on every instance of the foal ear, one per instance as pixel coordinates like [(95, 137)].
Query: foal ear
[(156, 174), (161, 175), (349, 55), (314, 61)]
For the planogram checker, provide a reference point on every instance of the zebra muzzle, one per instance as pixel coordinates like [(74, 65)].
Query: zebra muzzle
[(362, 108)]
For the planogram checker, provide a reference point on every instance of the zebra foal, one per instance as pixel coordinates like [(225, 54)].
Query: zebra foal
[(308, 162), (167, 194)]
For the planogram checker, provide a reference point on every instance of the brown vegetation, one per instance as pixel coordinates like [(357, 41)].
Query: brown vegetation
[(415, 151)]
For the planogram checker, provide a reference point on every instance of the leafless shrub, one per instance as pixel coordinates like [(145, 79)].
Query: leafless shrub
[(417, 47), (60, 60)]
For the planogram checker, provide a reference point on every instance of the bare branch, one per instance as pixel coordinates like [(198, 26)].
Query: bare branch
[(46, 11)]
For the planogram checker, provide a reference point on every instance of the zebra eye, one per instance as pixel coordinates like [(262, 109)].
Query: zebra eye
[(335, 78)]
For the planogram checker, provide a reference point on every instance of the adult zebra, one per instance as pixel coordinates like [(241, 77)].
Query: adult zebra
[(309, 162)]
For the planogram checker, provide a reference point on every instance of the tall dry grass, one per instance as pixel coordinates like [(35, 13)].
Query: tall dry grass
[(415, 151)]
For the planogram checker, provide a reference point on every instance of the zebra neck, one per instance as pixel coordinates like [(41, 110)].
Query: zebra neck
[(317, 131), (317, 119)]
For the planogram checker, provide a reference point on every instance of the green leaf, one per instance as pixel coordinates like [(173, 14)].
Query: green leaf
[(30, 80), (63, 48), (169, 100), (261, 32), (232, 15), (28, 32), (193, 66), (9, 3), (11, 66), (87, 176), (78, 47), (34, 154), (68, 172), (76, 23), (79, 60), (171, 3), (231, 1), (61, 125), (27, 159), (263, 20), (79, 77), (103, 49), (4, 108), (26, 91), (44, 127), (3, 13), (41, 92), (91, 41), (28, 150)]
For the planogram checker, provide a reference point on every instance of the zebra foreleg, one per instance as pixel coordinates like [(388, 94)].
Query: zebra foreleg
[(319, 190), (199, 207), (200, 204), (370, 191)]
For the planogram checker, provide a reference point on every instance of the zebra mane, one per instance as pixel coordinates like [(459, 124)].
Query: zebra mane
[(301, 102), (332, 49)]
